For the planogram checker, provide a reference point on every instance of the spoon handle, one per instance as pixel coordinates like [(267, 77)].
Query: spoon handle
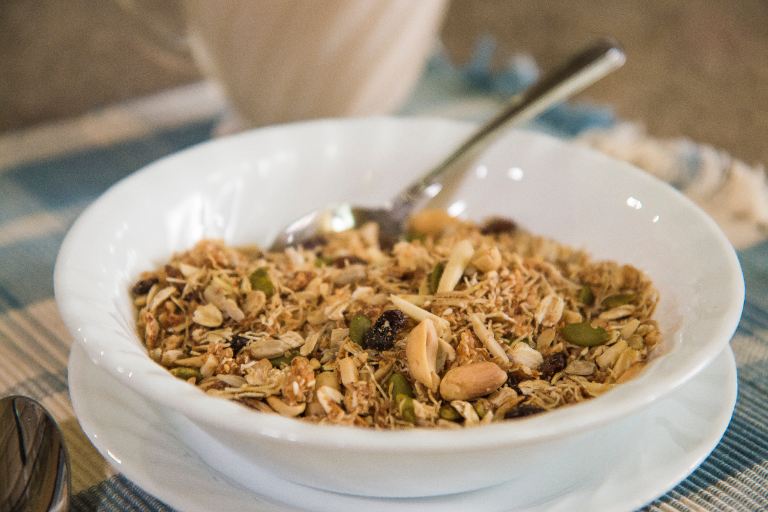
[(581, 71)]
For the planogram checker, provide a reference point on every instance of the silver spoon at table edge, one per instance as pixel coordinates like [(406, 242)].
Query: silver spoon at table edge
[(33, 459), (580, 71)]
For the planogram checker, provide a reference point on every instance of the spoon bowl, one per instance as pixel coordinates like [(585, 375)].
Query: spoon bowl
[(34, 458)]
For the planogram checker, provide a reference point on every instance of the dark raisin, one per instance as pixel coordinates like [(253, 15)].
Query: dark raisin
[(552, 364), (514, 379), (142, 287), (382, 335), (238, 343), (343, 261), (497, 226), (522, 411), (194, 296), (172, 271), (314, 242)]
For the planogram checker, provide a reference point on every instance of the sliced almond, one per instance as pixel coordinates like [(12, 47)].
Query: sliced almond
[(629, 328), (467, 412), (383, 370), (209, 366), (254, 302), (580, 367), (207, 315), (284, 409), (274, 347), (348, 371), (608, 358), (617, 312), (454, 269), (631, 372), (419, 314), (421, 354), (626, 359), (445, 352), (217, 296), (550, 310), (192, 362), (545, 339), (328, 397), (486, 336), (161, 296), (309, 344)]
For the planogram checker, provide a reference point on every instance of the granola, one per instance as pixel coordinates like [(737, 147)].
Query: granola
[(457, 325)]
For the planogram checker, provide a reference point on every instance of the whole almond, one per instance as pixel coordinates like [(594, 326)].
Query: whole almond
[(472, 381)]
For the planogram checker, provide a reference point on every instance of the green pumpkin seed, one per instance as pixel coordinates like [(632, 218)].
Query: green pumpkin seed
[(405, 406), (619, 299), (358, 326), (447, 412), (412, 236), (283, 360), (586, 296), (434, 277), (260, 281), (182, 372), (399, 385), (584, 335)]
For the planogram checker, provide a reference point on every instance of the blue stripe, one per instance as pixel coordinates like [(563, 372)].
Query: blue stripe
[(40, 386), (26, 268), (75, 178), (117, 494)]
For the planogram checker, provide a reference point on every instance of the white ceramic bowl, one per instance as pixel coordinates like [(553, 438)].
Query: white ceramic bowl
[(244, 188)]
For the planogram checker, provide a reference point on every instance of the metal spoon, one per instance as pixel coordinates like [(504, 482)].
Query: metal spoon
[(580, 71), (34, 466)]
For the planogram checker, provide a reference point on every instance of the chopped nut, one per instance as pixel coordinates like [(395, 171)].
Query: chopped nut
[(487, 259), (472, 381), (524, 355), (519, 326), (431, 221)]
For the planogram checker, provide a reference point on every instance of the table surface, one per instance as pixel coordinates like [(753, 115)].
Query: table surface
[(49, 174)]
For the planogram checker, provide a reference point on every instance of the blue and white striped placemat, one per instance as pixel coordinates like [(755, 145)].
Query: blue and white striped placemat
[(49, 174)]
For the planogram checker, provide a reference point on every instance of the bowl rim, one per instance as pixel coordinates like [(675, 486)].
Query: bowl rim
[(165, 391)]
